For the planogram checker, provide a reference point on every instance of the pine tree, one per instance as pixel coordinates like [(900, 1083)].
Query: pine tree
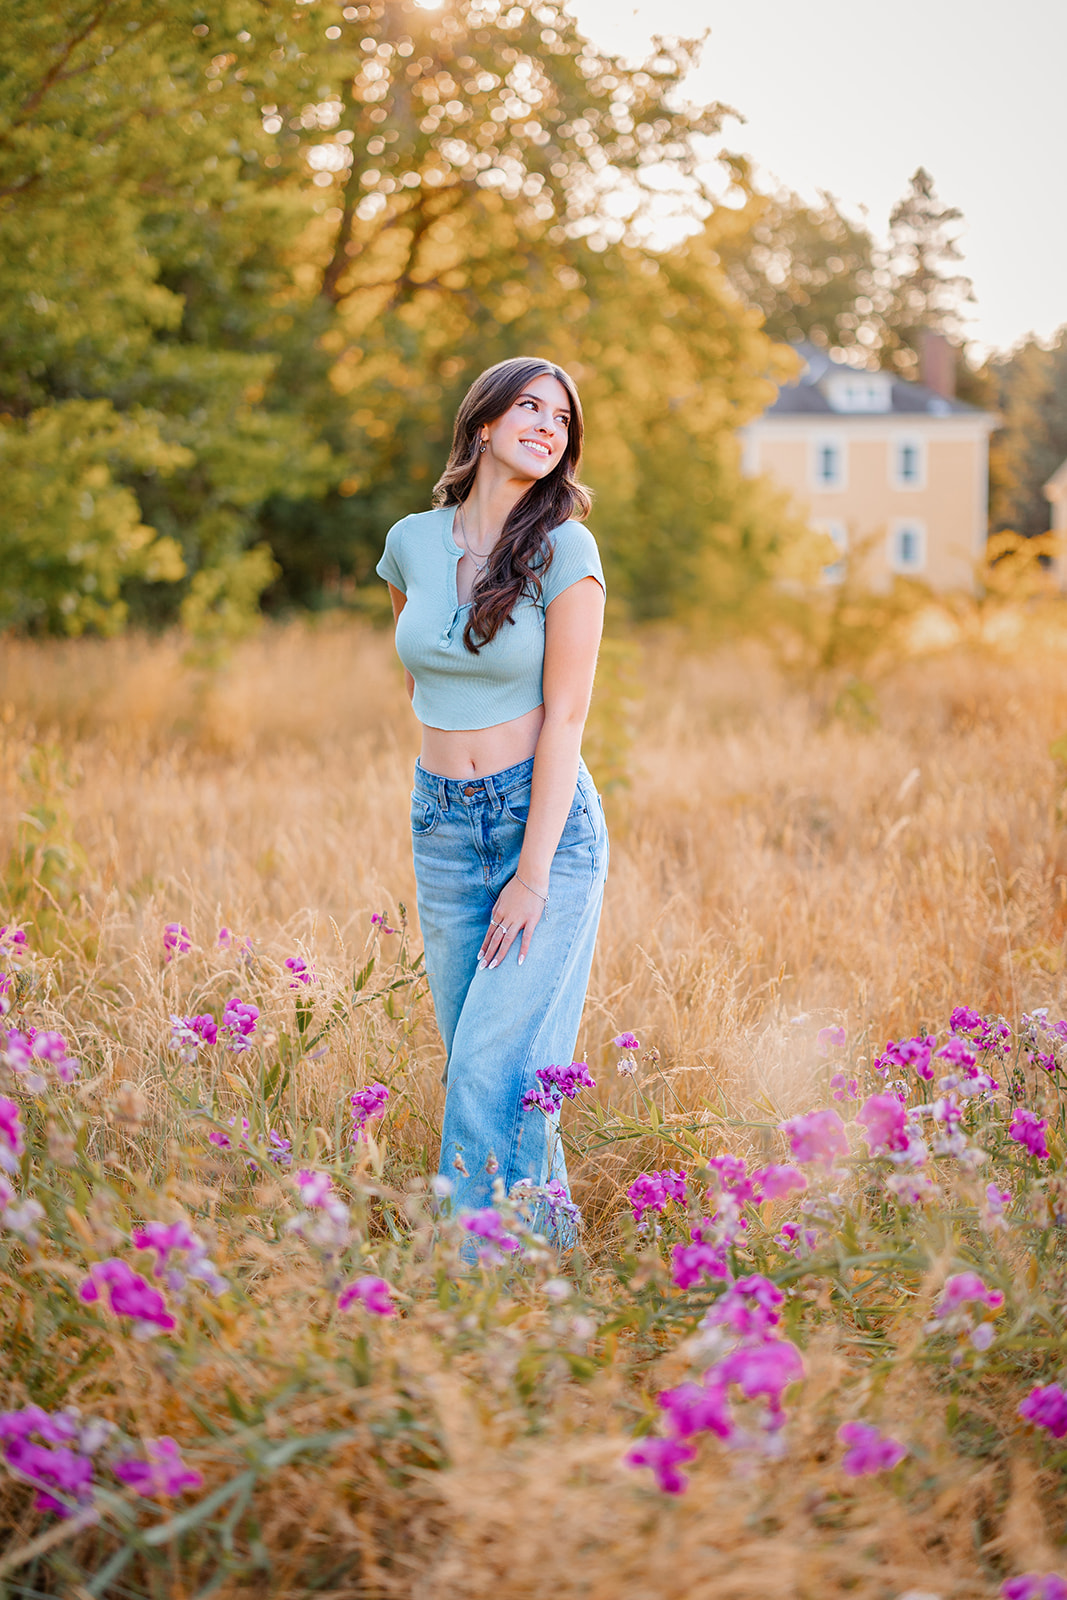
[(922, 291)]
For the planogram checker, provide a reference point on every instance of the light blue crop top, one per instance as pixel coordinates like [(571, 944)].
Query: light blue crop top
[(454, 688)]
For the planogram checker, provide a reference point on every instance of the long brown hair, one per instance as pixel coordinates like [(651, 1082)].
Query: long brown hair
[(523, 553)]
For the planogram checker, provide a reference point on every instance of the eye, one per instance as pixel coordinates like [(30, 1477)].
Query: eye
[(529, 402)]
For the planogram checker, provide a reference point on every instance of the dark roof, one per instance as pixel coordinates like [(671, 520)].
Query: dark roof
[(804, 397)]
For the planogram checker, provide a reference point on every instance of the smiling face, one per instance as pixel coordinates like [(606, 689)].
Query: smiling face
[(531, 436)]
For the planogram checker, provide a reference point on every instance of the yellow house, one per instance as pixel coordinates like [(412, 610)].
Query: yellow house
[(1056, 495), (897, 473)]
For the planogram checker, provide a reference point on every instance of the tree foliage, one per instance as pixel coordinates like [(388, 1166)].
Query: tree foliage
[(266, 245), (1031, 396)]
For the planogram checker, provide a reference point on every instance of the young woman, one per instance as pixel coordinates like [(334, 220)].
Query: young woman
[(498, 597)]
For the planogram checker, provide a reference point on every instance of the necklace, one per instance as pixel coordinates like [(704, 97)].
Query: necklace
[(481, 565)]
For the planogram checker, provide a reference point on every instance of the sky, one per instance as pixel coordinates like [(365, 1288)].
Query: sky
[(852, 97)]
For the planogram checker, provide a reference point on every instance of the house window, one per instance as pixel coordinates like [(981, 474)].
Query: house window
[(838, 532), (907, 547), (908, 464), (828, 464)]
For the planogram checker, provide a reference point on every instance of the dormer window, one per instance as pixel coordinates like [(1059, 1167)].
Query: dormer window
[(859, 392)]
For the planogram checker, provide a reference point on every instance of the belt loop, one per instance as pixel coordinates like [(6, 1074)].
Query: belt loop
[(442, 794), (490, 791)]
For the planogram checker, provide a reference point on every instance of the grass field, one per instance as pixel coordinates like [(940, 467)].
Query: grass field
[(790, 854)]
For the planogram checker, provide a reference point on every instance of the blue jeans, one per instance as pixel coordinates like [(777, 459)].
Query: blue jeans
[(500, 1025)]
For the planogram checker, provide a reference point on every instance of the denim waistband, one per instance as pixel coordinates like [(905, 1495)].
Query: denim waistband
[(491, 786)]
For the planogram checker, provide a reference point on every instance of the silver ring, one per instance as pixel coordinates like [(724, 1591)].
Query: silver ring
[(502, 928)]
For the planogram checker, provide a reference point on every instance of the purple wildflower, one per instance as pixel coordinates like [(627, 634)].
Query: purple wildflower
[(775, 1182), (966, 1288), (663, 1457), (964, 1019), (1034, 1586), (1028, 1129), (239, 1023), (488, 1227), (652, 1190), (732, 1173), (167, 1239), (188, 1034), (695, 1408), (11, 1140), (765, 1370), (225, 939), (60, 1469), (749, 1308), (300, 971), (1046, 1407), (51, 1050), (818, 1137), (829, 1039), (176, 940), (692, 1263), (315, 1187), (379, 921), (885, 1120), (373, 1294), (12, 939), (869, 1450), (367, 1106), (626, 1041), (914, 1053), (163, 1472), (958, 1052), (844, 1088), (129, 1295), (558, 1084)]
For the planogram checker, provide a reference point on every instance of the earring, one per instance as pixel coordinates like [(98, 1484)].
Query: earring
[(481, 448)]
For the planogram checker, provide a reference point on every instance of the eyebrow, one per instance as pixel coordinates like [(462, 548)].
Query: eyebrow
[(526, 395)]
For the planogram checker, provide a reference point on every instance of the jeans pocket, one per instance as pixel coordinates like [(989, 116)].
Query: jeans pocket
[(425, 814)]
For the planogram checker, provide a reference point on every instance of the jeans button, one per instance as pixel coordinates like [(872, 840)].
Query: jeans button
[(469, 790)]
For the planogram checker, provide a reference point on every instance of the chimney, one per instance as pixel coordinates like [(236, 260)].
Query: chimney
[(937, 365)]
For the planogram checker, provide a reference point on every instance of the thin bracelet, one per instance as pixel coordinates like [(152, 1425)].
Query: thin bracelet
[(532, 890)]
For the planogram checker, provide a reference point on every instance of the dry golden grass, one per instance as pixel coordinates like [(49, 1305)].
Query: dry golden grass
[(781, 849)]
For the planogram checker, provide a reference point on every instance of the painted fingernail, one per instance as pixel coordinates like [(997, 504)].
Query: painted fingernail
[(493, 964), (521, 960), (481, 963)]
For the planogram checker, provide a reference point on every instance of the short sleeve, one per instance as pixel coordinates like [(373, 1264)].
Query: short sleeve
[(575, 557), (391, 565)]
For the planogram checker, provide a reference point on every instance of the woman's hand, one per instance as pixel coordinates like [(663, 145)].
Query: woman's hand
[(517, 910)]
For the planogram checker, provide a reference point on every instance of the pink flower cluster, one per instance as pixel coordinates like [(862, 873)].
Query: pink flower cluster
[(299, 972), (279, 1150), (161, 1471), (239, 1020), (373, 1294), (652, 1191), (817, 1138), (1034, 1586), (558, 1084), (32, 1053), (128, 1295), (326, 1222), (1046, 1407), (171, 1239), (869, 1450), (954, 1311), (757, 1362), (53, 1452), (1028, 1129), (368, 1105), (493, 1241), (176, 940), (189, 1034)]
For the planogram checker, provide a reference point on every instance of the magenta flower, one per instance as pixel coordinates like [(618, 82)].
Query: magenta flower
[(61, 1469), (1046, 1407), (225, 939), (693, 1408), (913, 1053), (373, 1294), (163, 1472), (170, 1238), (652, 1190), (965, 1019), (176, 940), (776, 1182), (129, 1295), (829, 1039), (488, 1227), (732, 1173), (379, 921), (51, 1050), (869, 1450), (762, 1370), (239, 1023), (558, 1084), (367, 1106), (301, 972), (188, 1034), (1035, 1586), (1028, 1129), (819, 1137), (315, 1187), (966, 1288), (844, 1087), (749, 1308), (626, 1041), (958, 1052), (692, 1263), (12, 939), (885, 1120), (11, 1141), (663, 1457)]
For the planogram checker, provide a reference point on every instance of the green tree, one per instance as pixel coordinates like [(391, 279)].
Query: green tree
[(924, 292), (808, 269), (1031, 396)]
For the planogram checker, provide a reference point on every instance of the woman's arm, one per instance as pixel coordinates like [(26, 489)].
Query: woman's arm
[(400, 600), (573, 625)]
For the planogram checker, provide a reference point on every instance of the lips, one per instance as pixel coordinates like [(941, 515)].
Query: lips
[(537, 447)]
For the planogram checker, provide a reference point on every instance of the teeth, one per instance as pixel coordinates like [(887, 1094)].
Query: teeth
[(530, 444)]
